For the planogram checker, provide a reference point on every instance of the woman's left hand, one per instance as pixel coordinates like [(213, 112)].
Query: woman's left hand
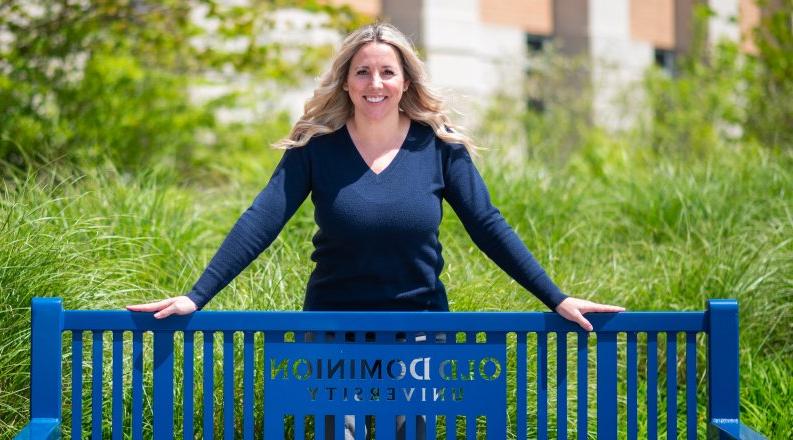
[(574, 309)]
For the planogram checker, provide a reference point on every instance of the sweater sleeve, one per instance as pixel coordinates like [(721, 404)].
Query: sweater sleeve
[(468, 196), (258, 226)]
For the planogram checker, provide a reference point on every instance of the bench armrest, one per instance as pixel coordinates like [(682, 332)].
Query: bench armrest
[(732, 430), (40, 429)]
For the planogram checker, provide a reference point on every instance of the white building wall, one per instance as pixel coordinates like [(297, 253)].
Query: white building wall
[(617, 62), (467, 60), (724, 24)]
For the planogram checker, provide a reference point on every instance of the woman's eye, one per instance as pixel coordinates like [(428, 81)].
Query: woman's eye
[(361, 72), (389, 72)]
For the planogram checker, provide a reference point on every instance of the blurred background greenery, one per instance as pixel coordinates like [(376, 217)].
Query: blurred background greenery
[(118, 187)]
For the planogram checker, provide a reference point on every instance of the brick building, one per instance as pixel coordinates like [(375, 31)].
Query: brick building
[(474, 48)]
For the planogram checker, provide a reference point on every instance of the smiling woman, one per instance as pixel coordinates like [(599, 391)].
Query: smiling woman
[(375, 84), (379, 156)]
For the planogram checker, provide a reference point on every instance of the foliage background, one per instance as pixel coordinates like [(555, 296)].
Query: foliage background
[(118, 188)]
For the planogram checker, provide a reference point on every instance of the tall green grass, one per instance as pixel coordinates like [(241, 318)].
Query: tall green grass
[(639, 230)]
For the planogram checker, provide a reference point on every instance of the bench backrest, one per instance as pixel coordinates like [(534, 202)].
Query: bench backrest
[(277, 372)]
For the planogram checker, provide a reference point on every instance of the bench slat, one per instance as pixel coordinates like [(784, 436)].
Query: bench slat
[(137, 386), (319, 426), (583, 384), (274, 424), (247, 385), (339, 426), (386, 426), (607, 385), (632, 384), (470, 427), (299, 423), (187, 381), (561, 385), (691, 386), (209, 385), (163, 385), (77, 385), (381, 321), (521, 384), (228, 385), (96, 385), (671, 385), (118, 383), (432, 427), (652, 385), (542, 386)]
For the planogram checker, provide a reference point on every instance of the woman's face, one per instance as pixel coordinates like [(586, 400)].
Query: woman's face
[(376, 81)]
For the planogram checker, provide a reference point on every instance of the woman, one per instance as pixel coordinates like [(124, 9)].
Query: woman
[(378, 155)]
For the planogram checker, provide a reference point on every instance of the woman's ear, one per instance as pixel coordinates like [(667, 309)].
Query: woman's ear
[(345, 88)]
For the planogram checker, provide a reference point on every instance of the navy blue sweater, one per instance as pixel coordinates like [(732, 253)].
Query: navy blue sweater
[(377, 246)]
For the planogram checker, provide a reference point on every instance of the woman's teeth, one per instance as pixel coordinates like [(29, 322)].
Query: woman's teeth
[(375, 98)]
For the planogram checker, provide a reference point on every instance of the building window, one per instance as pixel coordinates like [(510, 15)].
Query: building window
[(536, 43), (665, 59)]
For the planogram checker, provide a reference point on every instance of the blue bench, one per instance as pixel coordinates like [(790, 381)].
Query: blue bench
[(288, 374)]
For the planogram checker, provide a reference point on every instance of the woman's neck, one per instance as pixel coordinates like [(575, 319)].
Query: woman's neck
[(374, 133)]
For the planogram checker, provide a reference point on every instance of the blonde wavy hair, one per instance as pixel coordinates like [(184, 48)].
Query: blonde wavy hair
[(330, 107)]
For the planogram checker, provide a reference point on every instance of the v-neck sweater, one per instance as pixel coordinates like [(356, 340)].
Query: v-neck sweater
[(377, 246)]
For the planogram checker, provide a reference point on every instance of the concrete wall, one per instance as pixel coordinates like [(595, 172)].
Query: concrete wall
[(684, 22), (724, 23), (618, 61), (467, 59), (571, 26), (406, 15)]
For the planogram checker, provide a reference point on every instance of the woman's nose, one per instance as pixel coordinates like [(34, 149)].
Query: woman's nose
[(376, 80)]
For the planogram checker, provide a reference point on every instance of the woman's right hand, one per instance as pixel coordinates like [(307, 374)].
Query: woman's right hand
[(178, 305)]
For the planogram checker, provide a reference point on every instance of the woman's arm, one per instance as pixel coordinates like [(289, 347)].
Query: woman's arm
[(468, 196), (253, 232)]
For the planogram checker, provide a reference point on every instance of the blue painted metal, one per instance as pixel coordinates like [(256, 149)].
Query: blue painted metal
[(77, 384), (228, 385), (430, 374), (382, 321), (561, 385), (247, 387), (188, 430), (723, 377), (521, 383), (691, 386), (583, 385), (40, 429), (137, 385), (607, 385), (118, 384), (209, 385), (97, 348), (733, 431), (163, 385), (542, 386), (652, 385), (671, 385), (631, 388), (45, 362)]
